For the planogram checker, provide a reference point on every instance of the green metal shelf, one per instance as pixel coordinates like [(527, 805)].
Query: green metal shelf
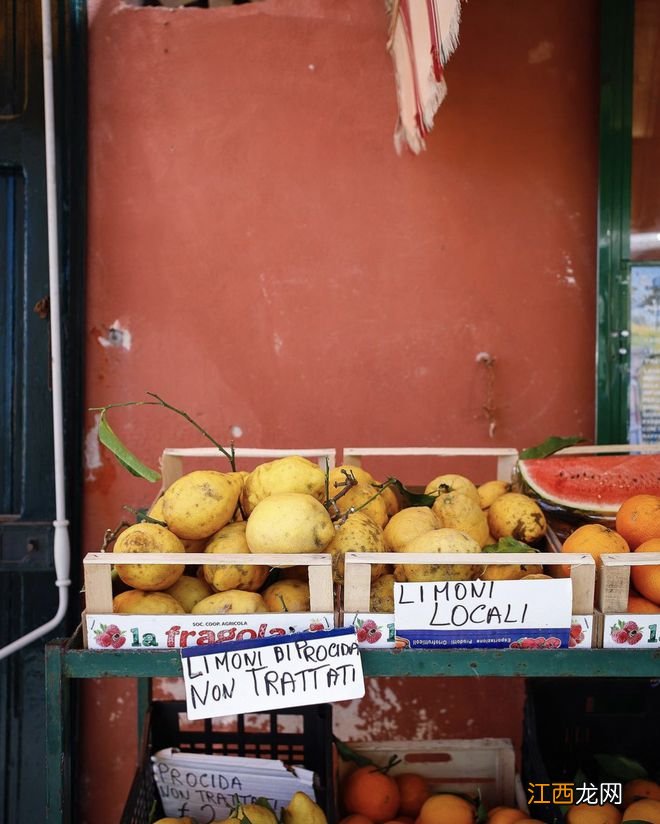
[(596, 663), (67, 661)]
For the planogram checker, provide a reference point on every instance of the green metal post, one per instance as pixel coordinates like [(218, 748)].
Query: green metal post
[(58, 753), (613, 312), (143, 704)]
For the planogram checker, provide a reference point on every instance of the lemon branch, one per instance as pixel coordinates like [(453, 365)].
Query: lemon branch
[(111, 535), (130, 461), (353, 509), (343, 486)]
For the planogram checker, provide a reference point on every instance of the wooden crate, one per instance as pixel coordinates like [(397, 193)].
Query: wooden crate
[(481, 765), (357, 577), (97, 568), (357, 582), (172, 459), (613, 591), (505, 458)]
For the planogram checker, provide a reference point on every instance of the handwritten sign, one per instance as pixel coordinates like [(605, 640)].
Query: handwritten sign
[(206, 787), (296, 670), (517, 614)]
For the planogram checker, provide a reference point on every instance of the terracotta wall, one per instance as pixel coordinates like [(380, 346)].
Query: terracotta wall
[(259, 255)]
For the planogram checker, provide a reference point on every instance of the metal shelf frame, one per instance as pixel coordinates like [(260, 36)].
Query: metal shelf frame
[(67, 661)]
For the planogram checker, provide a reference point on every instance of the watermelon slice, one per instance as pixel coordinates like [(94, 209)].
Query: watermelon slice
[(592, 483)]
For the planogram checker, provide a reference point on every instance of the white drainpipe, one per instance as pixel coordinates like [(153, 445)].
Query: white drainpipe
[(61, 549)]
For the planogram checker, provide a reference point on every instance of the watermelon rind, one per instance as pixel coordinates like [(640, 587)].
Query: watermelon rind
[(602, 468)]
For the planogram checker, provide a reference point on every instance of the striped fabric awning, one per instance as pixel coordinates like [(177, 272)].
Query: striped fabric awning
[(423, 35)]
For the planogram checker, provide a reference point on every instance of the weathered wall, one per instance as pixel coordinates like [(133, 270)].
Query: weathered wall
[(276, 267)]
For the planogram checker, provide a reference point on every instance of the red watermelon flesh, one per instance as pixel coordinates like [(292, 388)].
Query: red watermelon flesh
[(592, 483)]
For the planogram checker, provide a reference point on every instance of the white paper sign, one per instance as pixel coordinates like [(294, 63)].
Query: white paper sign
[(248, 676), (631, 631), (533, 614), (206, 787)]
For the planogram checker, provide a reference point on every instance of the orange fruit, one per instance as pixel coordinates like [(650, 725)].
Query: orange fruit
[(640, 788), (371, 793), (638, 519), (647, 578), (413, 791), (593, 814), (638, 604), (594, 539), (446, 809), (645, 810), (528, 821), (356, 819), (506, 815)]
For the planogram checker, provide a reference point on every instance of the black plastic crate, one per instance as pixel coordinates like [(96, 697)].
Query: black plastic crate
[(568, 722), (256, 735)]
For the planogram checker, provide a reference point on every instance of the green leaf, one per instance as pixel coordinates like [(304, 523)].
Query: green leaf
[(125, 457), (553, 444), (619, 767), (413, 498), (509, 544), (347, 754)]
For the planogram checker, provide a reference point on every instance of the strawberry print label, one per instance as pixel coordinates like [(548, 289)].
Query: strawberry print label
[(374, 630), (134, 632), (631, 631), (581, 632)]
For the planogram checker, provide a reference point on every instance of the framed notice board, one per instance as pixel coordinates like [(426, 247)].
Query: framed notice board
[(628, 352)]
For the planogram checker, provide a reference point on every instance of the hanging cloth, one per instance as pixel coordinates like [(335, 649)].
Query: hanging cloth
[(423, 36)]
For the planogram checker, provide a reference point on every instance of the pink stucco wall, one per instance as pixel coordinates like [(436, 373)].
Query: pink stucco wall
[(272, 265)]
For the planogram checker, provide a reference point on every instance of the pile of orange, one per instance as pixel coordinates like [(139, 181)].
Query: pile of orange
[(370, 796), (637, 530)]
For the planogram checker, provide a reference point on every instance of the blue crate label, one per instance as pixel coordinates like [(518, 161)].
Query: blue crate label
[(135, 632), (534, 614), (631, 631), (206, 787), (273, 673)]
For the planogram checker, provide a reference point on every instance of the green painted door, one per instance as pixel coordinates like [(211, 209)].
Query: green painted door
[(28, 596)]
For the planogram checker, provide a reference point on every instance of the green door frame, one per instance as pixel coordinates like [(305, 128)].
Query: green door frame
[(617, 45)]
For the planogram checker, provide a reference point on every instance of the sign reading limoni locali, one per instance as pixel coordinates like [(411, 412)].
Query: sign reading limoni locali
[(272, 673), (534, 614)]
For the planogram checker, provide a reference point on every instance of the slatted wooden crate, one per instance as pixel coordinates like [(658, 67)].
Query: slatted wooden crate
[(97, 568), (98, 581), (173, 460), (613, 592), (504, 457), (481, 765), (357, 579)]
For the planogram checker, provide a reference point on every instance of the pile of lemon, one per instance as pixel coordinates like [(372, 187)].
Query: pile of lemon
[(291, 505)]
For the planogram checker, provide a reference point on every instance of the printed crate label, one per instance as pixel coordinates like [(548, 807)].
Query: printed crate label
[(631, 631), (376, 630), (134, 632)]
